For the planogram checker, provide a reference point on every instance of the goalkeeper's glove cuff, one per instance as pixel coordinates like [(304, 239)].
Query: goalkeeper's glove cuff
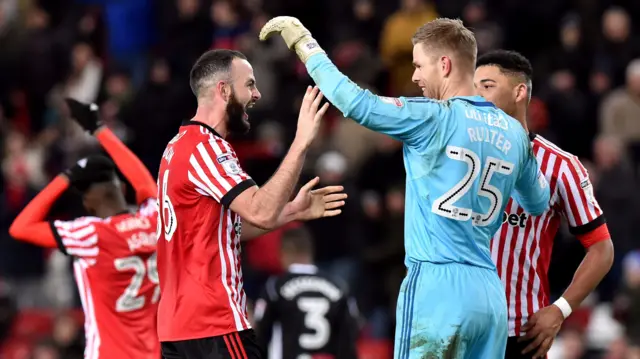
[(307, 47)]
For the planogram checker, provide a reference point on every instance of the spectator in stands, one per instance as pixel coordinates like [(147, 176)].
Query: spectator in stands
[(488, 32), (618, 45), (339, 239), (67, 337), (21, 264), (395, 45), (618, 195), (46, 349), (621, 111), (568, 116), (8, 311)]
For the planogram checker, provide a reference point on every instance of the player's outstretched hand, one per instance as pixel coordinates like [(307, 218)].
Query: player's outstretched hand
[(542, 328), (86, 115), (295, 35), (323, 202), (310, 116)]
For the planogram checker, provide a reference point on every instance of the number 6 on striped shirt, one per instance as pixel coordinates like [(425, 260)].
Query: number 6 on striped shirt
[(167, 214)]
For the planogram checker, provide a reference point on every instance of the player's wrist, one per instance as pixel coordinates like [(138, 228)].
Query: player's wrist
[(100, 128), (300, 145), (306, 47), (564, 307)]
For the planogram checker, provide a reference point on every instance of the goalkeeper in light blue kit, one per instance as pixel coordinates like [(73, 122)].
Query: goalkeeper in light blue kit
[(463, 158)]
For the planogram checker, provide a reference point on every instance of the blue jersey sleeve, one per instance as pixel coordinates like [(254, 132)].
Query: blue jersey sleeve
[(413, 121), (532, 189)]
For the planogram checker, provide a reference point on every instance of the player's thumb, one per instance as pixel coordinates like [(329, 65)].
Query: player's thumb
[(307, 187)]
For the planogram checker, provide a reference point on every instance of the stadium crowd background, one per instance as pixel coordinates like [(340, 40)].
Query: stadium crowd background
[(133, 57)]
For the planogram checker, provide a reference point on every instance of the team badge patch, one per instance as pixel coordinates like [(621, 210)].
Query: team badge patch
[(392, 101)]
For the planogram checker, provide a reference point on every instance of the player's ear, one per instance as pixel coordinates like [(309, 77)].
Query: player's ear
[(445, 65), (521, 92), (224, 89)]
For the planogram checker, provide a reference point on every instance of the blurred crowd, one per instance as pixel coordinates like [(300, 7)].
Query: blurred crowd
[(133, 59)]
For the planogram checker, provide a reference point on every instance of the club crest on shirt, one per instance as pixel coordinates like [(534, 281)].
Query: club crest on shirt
[(229, 163), (391, 101)]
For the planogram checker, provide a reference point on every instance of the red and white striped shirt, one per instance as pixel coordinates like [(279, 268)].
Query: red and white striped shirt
[(199, 237), (522, 247), (115, 270)]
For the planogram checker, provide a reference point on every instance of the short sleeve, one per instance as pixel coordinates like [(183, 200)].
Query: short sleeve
[(215, 171), (578, 203), (77, 238)]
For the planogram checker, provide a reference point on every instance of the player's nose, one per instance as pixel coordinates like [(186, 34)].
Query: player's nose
[(415, 77), (256, 95)]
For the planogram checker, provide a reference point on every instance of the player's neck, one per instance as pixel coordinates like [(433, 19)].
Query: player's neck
[(460, 87), (521, 116), (212, 116), (110, 210)]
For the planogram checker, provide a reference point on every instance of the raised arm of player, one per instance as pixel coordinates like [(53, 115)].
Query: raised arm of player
[(411, 120), (30, 225), (131, 167), (88, 117), (263, 207), (532, 189)]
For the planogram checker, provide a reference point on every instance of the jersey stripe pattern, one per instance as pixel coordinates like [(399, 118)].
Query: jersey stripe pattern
[(115, 271), (199, 242), (521, 249)]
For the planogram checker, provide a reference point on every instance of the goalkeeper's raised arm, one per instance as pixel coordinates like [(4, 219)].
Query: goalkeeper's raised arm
[(411, 120)]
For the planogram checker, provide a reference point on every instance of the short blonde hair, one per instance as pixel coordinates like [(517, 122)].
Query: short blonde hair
[(444, 35)]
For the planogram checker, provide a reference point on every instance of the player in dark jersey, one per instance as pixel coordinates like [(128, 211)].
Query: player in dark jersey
[(303, 314)]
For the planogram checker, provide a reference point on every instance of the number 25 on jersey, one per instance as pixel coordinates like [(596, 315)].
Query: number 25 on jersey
[(444, 205), (166, 215)]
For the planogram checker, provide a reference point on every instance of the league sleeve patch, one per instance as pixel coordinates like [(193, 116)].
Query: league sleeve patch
[(588, 192), (391, 101), (230, 163)]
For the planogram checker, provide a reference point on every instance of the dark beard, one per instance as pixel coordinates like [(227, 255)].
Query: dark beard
[(235, 110)]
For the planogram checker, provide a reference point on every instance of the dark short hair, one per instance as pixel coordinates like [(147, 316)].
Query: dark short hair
[(297, 241), (508, 61), (96, 169), (210, 64)]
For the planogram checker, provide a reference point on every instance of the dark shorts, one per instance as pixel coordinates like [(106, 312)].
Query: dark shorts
[(237, 345), (515, 348)]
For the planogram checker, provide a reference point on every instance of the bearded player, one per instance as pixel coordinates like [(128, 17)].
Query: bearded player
[(114, 249), (209, 203), (522, 247)]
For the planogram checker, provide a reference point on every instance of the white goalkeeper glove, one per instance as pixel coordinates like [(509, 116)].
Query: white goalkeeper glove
[(295, 35)]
